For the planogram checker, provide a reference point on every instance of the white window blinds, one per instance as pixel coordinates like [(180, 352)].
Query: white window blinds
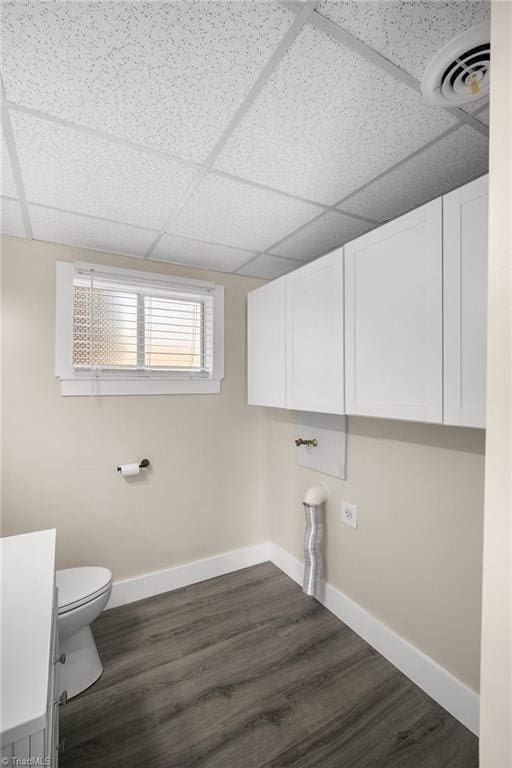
[(141, 326), (132, 332)]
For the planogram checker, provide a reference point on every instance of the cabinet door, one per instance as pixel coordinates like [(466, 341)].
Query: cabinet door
[(465, 303), (266, 345), (393, 318), (314, 330)]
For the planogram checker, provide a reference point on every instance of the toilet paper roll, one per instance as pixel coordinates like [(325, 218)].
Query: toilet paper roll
[(127, 470)]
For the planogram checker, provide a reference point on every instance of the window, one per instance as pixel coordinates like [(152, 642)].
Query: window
[(123, 331)]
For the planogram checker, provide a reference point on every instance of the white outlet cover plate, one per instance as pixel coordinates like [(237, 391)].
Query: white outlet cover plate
[(330, 455), (348, 514)]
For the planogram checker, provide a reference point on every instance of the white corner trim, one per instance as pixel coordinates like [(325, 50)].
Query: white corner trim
[(148, 584), (458, 699)]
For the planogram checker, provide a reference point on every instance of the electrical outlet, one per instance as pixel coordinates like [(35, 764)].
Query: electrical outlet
[(348, 514)]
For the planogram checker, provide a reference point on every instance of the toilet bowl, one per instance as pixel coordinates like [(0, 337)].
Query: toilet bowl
[(82, 594)]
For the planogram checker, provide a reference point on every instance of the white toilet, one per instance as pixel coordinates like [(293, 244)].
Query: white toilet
[(83, 594)]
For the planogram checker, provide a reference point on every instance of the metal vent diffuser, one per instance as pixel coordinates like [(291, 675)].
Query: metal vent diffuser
[(460, 72)]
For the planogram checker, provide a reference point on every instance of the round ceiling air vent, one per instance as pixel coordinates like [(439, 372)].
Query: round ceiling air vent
[(460, 72)]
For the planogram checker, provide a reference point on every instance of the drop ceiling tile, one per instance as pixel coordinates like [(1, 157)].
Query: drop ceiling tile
[(474, 106), (327, 121), (407, 32), (169, 75), (479, 110), (69, 169), (322, 235), (11, 218), (8, 185), (197, 253), (484, 116), (226, 211), (268, 267), (455, 160), (86, 232)]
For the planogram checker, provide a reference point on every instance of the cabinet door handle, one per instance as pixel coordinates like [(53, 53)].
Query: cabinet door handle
[(61, 746), (62, 698), (62, 659)]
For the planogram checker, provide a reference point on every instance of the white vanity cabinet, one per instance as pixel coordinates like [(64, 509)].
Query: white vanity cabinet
[(465, 246), (266, 345), (393, 319), (314, 336), (29, 654)]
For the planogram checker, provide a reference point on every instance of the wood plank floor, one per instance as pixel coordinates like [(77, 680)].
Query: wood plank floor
[(245, 671)]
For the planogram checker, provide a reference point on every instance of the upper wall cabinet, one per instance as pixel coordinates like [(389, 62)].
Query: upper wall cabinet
[(266, 344), (394, 289), (413, 313), (465, 303), (314, 334)]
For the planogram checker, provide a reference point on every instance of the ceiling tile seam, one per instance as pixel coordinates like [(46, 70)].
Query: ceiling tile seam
[(361, 49), (191, 266), (182, 237), (401, 162), (114, 139), (335, 206), (469, 119), (267, 188), (15, 164), (268, 251), (126, 224), (91, 216), (110, 137), (210, 242), (482, 107), (448, 132), (189, 191), (263, 253), (326, 208), (277, 55), (288, 38), (133, 256), (144, 149)]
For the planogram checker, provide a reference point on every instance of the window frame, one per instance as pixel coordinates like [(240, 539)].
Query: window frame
[(126, 382)]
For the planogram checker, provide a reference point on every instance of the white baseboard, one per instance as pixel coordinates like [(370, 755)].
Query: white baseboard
[(458, 699), (148, 584)]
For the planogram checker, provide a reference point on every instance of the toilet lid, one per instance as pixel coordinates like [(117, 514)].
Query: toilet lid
[(81, 585)]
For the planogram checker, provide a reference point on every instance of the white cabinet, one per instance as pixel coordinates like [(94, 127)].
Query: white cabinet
[(413, 313), (465, 303), (266, 345), (314, 335), (295, 339), (393, 304), (29, 717)]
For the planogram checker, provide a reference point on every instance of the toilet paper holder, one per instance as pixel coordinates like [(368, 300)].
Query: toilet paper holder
[(142, 464)]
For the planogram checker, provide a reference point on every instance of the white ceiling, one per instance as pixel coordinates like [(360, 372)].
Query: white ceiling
[(244, 137)]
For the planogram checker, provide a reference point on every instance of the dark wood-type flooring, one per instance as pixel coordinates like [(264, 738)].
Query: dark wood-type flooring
[(245, 671)]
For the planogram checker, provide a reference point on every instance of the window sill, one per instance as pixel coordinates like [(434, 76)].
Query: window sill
[(104, 387)]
